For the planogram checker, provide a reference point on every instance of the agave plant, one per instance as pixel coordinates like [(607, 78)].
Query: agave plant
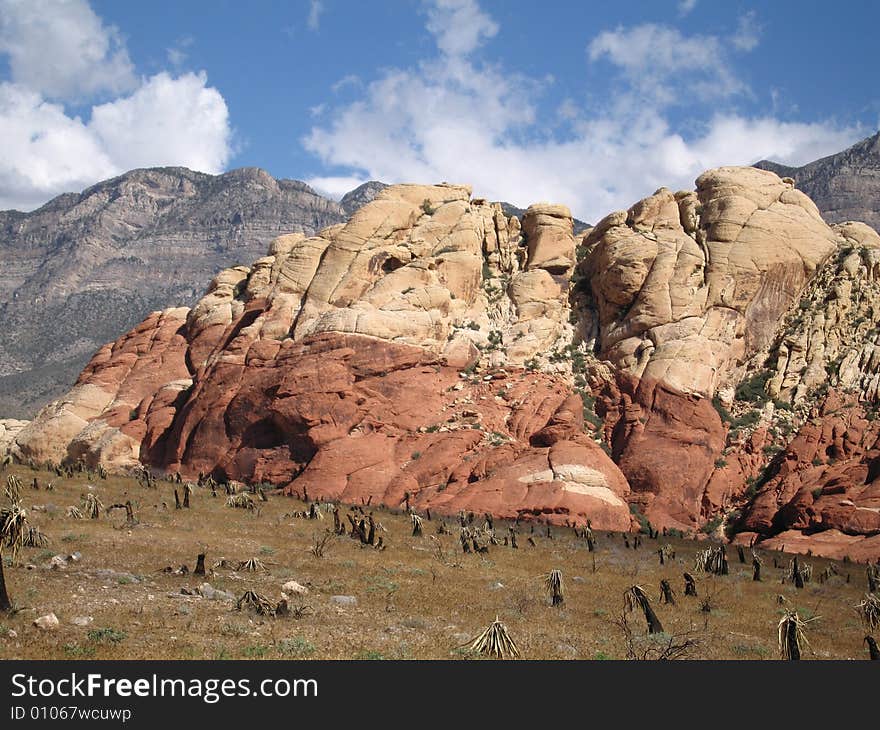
[(667, 595), (799, 574), (34, 538), (712, 560), (757, 564), (873, 575), (494, 641)]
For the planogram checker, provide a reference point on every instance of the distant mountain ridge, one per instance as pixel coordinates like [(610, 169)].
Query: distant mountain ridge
[(85, 267), (845, 186)]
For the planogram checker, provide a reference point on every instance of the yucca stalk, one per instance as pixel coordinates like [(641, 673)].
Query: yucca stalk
[(667, 595), (13, 534), (416, 525), (13, 489), (873, 649), (757, 563), (92, 506), (553, 584), (257, 602), (635, 597), (251, 565), (494, 641), (34, 538), (792, 635), (873, 575), (690, 585), (869, 611), (240, 501)]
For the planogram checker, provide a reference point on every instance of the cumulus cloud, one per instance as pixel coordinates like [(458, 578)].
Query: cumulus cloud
[(459, 26), (166, 121), (664, 66), (63, 50), (451, 118), (748, 32), (63, 54)]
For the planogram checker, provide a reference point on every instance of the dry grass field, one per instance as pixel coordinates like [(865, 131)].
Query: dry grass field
[(420, 598)]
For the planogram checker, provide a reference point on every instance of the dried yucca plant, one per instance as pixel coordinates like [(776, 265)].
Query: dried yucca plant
[(494, 641)]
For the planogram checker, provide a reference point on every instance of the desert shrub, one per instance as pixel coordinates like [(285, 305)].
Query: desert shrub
[(753, 388), (106, 635), (644, 524), (296, 646)]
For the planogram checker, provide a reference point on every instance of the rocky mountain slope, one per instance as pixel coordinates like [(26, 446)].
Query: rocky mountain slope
[(845, 186), (85, 267), (704, 361)]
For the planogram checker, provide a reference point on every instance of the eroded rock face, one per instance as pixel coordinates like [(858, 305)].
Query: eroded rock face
[(333, 366), (683, 289), (688, 285), (828, 478), (97, 420), (434, 347), (9, 430)]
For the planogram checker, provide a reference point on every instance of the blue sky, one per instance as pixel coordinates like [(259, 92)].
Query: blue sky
[(590, 104)]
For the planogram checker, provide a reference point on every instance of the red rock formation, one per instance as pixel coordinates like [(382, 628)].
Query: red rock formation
[(427, 348), (355, 418), (828, 479)]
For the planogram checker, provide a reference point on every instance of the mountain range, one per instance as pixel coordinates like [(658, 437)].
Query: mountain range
[(85, 267), (845, 186)]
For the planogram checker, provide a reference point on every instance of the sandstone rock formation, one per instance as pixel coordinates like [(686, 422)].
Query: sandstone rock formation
[(677, 293), (666, 365), (339, 365)]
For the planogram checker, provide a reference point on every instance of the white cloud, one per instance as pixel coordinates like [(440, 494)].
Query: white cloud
[(346, 81), (316, 7), (449, 118), (45, 151), (335, 187), (179, 52), (662, 65), (63, 50), (167, 121), (686, 6), (459, 26), (61, 53), (748, 32)]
